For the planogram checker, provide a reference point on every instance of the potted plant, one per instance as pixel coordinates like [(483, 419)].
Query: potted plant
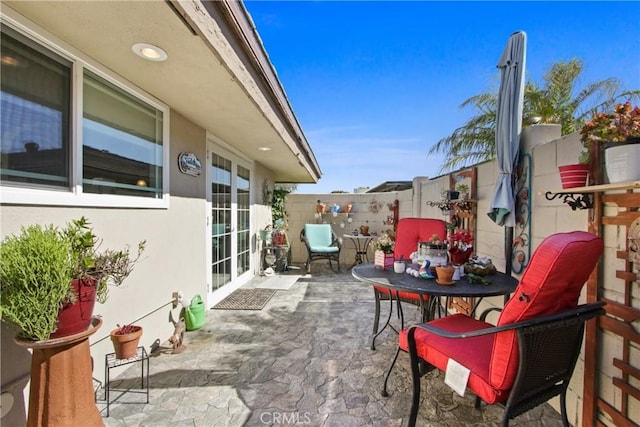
[(450, 194), (460, 247), (266, 234), (125, 340), (618, 133), (35, 278), (383, 245), (463, 189), (50, 278)]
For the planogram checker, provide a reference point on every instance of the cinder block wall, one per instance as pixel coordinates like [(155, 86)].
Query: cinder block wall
[(369, 209)]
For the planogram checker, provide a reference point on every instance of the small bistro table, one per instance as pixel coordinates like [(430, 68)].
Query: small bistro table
[(501, 284), (361, 245)]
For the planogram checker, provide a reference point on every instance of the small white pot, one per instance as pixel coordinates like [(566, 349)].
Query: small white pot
[(398, 266)]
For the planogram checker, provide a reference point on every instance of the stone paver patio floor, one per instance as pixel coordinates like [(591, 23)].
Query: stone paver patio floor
[(304, 359)]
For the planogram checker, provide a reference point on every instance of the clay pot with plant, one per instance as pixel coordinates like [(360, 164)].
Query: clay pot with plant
[(125, 340), (618, 135), (50, 278), (463, 189)]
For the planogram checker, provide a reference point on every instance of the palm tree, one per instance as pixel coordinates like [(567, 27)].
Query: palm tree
[(553, 102)]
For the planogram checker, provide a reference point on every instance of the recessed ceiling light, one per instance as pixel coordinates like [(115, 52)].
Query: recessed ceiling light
[(149, 52), (10, 60), (264, 148)]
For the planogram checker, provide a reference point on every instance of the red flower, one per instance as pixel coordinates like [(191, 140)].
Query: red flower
[(460, 240)]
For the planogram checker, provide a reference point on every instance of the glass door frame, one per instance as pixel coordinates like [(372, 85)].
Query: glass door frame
[(214, 146)]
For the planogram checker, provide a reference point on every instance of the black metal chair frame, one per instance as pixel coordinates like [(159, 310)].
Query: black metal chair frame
[(330, 256), (548, 347), (426, 306)]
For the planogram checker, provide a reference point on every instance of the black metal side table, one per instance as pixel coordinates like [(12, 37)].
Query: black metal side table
[(111, 362)]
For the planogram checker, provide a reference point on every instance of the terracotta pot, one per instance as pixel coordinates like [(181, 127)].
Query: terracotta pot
[(76, 317), (126, 345), (445, 275), (572, 176)]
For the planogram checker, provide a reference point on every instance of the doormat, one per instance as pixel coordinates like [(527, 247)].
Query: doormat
[(246, 299)]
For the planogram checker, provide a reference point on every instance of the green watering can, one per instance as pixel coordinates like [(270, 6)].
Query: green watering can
[(194, 317)]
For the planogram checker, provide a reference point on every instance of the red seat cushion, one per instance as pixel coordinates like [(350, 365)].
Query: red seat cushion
[(473, 353), (551, 283), (405, 296), (410, 231)]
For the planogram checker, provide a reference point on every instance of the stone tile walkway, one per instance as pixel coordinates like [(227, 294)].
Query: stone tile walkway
[(304, 359)]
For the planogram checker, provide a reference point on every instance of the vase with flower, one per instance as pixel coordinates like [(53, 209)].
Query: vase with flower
[(460, 247), (383, 255)]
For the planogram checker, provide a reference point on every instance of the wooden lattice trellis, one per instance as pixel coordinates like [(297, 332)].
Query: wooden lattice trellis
[(619, 325)]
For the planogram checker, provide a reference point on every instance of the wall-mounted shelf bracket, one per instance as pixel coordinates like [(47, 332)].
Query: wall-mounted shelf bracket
[(582, 197), (574, 200), (463, 205)]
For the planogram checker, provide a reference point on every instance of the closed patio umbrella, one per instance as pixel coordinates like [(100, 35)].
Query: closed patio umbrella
[(508, 127)]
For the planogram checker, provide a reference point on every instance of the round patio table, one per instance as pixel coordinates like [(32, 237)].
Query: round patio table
[(501, 284)]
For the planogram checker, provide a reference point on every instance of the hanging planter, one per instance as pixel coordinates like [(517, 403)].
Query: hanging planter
[(572, 176), (125, 341), (265, 234)]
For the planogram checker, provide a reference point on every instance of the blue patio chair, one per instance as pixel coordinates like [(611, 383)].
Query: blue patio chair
[(321, 243)]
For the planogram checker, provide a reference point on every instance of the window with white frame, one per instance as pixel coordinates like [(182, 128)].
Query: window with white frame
[(35, 98), (119, 146), (121, 141)]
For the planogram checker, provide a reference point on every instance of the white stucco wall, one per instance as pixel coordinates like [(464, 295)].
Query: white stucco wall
[(174, 259)]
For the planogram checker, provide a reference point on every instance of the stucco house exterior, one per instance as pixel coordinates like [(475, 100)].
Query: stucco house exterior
[(179, 149)]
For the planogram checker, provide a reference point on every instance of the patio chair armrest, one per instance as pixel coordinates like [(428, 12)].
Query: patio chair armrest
[(484, 314), (585, 311), (303, 238)]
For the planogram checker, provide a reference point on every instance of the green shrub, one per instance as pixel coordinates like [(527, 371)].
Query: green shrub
[(35, 278)]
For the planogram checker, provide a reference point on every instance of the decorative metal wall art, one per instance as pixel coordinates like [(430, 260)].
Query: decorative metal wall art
[(522, 231)]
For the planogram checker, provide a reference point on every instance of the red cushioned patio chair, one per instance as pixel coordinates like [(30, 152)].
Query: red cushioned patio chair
[(409, 232), (530, 355)]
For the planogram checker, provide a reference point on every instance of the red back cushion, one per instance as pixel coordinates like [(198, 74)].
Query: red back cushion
[(410, 231), (551, 283)]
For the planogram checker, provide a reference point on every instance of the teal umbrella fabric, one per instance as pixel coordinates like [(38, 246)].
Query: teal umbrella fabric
[(508, 127)]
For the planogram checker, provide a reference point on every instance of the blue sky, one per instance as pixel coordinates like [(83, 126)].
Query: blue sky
[(375, 84)]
